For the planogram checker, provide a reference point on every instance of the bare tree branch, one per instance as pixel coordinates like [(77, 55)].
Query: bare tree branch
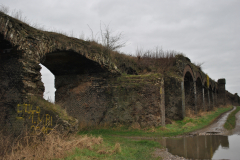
[(110, 41)]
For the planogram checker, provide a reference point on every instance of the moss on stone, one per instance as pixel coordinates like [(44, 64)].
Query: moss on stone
[(54, 108)]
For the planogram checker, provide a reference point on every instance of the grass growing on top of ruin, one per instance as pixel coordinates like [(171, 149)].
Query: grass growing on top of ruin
[(231, 120), (39, 101), (188, 124)]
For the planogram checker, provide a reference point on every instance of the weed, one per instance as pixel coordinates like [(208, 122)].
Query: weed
[(117, 148)]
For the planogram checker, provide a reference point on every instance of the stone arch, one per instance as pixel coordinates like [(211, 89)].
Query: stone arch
[(23, 48), (75, 76), (198, 75), (189, 91), (31, 47), (188, 69)]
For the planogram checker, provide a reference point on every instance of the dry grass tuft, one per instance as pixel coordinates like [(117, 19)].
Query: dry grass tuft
[(190, 113), (163, 128), (5, 144), (156, 60), (117, 148), (202, 113), (83, 125), (101, 151), (188, 125), (52, 145), (143, 62), (152, 129), (135, 125), (215, 108)]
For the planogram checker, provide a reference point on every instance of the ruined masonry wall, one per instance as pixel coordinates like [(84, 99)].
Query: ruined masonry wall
[(98, 101), (173, 97)]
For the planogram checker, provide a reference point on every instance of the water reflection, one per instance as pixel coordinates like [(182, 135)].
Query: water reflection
[(232, 152), (200, 147)]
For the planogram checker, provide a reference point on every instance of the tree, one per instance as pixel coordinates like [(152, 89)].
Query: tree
[(108, 39)]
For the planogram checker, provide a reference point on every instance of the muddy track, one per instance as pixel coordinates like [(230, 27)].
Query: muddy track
[(216, 127)]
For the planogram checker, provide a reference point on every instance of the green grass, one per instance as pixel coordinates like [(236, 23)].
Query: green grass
[(140, 148), (231, 120), (130, 150), (191, 124)]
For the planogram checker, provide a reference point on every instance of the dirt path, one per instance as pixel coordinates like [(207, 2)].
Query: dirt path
[(217, 127)]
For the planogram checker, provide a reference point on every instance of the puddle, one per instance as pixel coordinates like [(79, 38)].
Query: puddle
[(232, 152), (204, 147)]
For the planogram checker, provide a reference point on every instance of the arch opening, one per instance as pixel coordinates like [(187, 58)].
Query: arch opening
[(189, 92), (48, 80), (76, 81), (71, 63)]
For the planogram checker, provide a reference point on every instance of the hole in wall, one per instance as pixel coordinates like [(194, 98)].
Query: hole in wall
[(48, 80)]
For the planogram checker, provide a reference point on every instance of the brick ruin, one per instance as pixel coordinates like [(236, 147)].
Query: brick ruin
[(90, 86)]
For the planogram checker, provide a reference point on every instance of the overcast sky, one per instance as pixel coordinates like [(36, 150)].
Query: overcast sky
[(204, 30)]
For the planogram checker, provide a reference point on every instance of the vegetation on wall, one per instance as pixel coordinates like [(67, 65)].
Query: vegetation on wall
[(55, 108)]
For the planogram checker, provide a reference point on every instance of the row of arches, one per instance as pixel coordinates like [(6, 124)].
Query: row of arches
[(199, 93)]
